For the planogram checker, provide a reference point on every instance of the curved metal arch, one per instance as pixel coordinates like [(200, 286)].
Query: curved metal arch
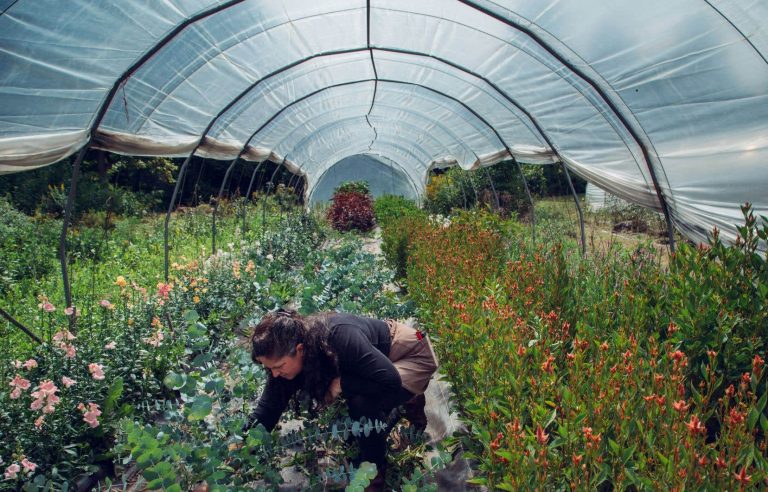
[(349, 121), (408, 110), (240, 41), (334, 126), (576, 89), (413, 83), (387, 151), (256, 83), (448, 133), (532, 125), (392, 161), (599, 90), (6, 9), (417, 154), (151, 52), (347, 153), (307, 96), (738, 30)]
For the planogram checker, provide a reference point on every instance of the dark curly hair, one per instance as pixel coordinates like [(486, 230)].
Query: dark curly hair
[(277, 335)]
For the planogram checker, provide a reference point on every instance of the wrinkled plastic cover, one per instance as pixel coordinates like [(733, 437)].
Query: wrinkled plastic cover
[(622, 92)]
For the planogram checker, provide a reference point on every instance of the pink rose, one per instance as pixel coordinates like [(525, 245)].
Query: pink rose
[(67, 382), (110, 346), (28, 465), (30, 364), (63, 335), (90, 415), (69, 350), (12, 471), (96, 370), (39, 422), (20, 383), (47, 307), (47, 387), (106, 304)]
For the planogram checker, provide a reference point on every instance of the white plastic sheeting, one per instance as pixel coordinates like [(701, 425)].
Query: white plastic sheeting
[(625, 93), (383, 178), (598, 199)]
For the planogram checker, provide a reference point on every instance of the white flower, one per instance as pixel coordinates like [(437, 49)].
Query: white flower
[(270, 257)]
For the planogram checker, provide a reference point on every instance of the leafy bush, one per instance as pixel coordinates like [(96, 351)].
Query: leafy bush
[(94, 195), (396, 243), (448, 191), (390, 208), (397, 217), (27, 246), (353, 187), (348, 279), (605, 373), (351, 210)]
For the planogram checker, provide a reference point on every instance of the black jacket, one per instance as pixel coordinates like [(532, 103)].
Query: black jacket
[(362, 347)]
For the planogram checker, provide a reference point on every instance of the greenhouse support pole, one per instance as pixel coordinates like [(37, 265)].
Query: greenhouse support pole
[(463, 193), (248, 194), (493, 188), (472, 184), (216, 204), (182, 171), (270, 184), (601, 90), (578, 209), (65, 225), (293, 182), (530, 198), (21, 327)]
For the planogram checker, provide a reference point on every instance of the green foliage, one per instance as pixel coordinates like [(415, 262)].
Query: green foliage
[(397, 216), (157, 341), (348, 279), (499, 187), (391, 208), (360, 187), (605, 372), (396, 242), (717, 296), (23, 243)]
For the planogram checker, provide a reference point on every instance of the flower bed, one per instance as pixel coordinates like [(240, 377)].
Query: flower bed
[(89, 393), (600, 373)]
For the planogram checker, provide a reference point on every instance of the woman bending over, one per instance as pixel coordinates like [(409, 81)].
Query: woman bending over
[(375, 365)]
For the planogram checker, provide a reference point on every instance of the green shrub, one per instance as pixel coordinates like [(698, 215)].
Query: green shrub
[(27, 246), (353, 186), (606, 372), (396, 242), (390, 208)]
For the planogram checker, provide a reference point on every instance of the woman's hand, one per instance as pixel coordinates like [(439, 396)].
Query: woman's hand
[(334, 390)]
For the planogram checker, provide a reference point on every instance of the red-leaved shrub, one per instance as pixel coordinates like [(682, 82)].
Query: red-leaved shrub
[(351, 210)]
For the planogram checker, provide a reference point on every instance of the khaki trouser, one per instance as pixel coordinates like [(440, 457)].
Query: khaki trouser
[(412, 355)]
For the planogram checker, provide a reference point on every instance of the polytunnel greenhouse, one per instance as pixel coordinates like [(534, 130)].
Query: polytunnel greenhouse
[(435, 129)]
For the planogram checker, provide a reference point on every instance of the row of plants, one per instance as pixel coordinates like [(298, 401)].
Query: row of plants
[(500, 187), (145, 349), (133, 247), (608, 372)]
